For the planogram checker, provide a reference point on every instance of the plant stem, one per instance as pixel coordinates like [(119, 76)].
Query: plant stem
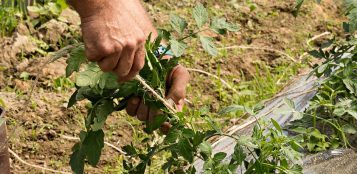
[(156, 95)]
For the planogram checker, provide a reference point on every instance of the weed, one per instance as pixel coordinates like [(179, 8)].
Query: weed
[(332, 114), (62, 84)]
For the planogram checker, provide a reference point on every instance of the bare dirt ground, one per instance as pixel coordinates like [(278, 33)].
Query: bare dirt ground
[(37, 126)]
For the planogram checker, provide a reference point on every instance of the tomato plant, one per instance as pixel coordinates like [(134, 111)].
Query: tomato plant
[(183, 143), (331, 118)]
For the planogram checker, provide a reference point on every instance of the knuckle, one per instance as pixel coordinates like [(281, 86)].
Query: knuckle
[(138, 66), (131, 44), (91, 55), (141, 39), (105, 49)]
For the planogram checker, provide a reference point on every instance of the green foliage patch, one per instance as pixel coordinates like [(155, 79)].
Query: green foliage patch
[(183, 143)]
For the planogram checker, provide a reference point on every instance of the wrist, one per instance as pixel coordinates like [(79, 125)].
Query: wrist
[(91, 8)]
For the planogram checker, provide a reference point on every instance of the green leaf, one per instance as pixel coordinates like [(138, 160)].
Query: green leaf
[(276, 125), (127, 89), (77, 159), (316, 54), (191, 170), (198, 138), (297, 115), (185, 149), (316, 133), (232, 108), (322, 68), (25, 75), (208, 45), (249, 111), (108, 80), (218, 157), (178, 23), (178, 48), (168, 164), (89, 77), (200, 15), (353, 113), (221, 26), (77, 57), (350, 129), (129, 150), (73, 99), (289, 103), (172, 136), (87, 93), (101, 112), (155, 124), (299, 130), (350, 85), (297, 7), (92, 146), (213, 124), (238, 155), (247, 142), (166, 35), (206, 148), (188, 133)]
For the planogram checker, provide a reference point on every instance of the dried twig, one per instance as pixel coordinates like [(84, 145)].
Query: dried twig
[(35, 166), (214, 76), (317, 36), (167, 103)]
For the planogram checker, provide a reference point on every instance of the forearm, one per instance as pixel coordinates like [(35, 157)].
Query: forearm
[(90, 8), (135, 8)]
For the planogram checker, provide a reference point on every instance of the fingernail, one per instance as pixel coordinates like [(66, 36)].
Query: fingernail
[(180, 105)]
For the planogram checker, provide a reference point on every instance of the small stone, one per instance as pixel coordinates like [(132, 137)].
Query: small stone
[(27, 156), (70, 16), (22, 29)]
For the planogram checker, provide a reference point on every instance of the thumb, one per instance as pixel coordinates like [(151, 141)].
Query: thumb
[(176, 83)]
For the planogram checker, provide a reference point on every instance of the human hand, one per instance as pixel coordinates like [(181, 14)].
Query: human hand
[(176, 83), (114, 33)]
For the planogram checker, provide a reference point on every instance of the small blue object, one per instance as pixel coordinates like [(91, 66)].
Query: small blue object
[(161, 50)]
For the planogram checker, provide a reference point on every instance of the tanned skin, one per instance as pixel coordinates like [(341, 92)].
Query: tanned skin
[(114, 34)]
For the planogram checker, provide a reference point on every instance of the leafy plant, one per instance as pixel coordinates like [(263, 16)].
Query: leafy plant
[(13, 12), (8, 20), (107, 96), (46, 11), (333, 111), (267, 151), (62, 83)]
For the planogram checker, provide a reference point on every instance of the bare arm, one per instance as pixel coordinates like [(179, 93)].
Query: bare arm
[(114, 33)]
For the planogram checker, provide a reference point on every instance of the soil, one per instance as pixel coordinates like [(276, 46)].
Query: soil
[(36, 126)]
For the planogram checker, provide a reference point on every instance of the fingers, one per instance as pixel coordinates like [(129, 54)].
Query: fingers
[(109, 63), (177, 82), (142, 112), (125, 55), (138, 64), (126, 61), (132, 107)]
